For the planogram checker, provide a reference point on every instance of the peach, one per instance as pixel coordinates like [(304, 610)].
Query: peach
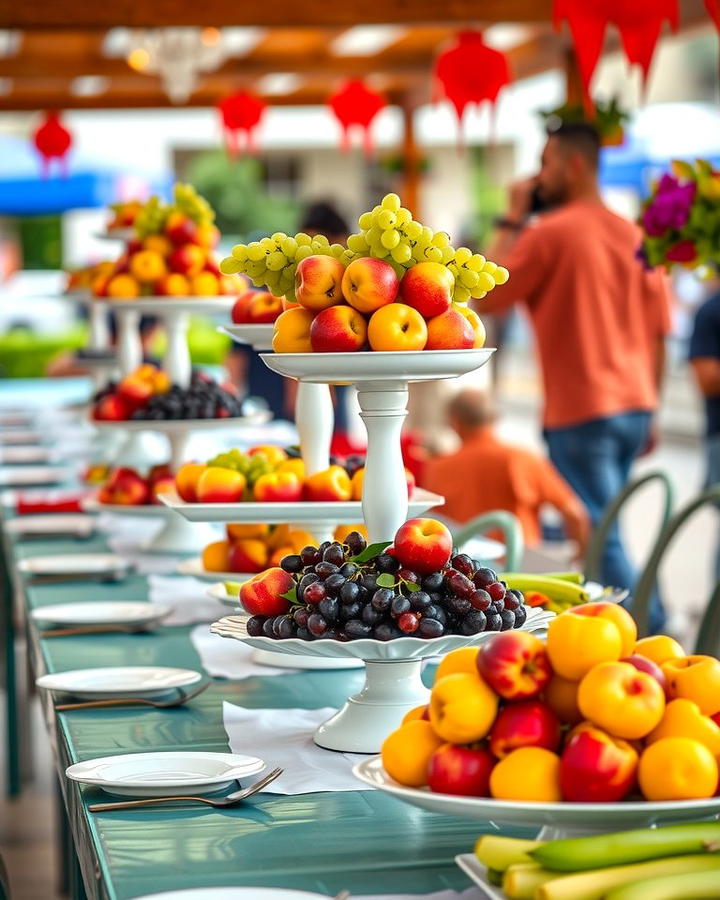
[(216, 557), (248, 555), (291, 333), (274, 455), (318, 282), (369, 283), (126, 487), (643, 664), (135, 390), (331, 484), (188, 259), (596, 767), (123, 287), (577, 643), (242, 531), (696, 678), (406, 752), (173, 285), (476, 323), (206, 235), (682, 718), (147, 266), (462, 707), (186, 480), (179, 228), (280, 537), (278, 487), (262, 594), (423, 545), (263, 308), (462, 660), (460, 770), (677, 768), (561, 696), (164, 485), (527, 723), (529, 774), (346, 528), (219, 485), (619, 698), (159, 244), (204, 284), (614, 613), (418, 712), (449, 331), (659, 648), (515, 664), (428, 288), (397, 327), (111, 408), (296, 466), (337, 329), (277, 556)]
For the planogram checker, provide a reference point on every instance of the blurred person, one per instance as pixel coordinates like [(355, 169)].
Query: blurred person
[(487, 474), (600, 321), (71, 364)]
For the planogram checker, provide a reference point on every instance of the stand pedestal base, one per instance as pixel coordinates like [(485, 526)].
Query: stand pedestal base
[(180, 536)]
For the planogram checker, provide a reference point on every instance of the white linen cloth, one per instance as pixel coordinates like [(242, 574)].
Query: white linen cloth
[(283, 737), (187, 597), (223, 658)]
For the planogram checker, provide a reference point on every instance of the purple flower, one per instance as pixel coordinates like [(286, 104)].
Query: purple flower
[(670, 207)]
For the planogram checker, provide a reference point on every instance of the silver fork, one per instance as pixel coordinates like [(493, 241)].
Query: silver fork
[(132, 701), (221, 803)]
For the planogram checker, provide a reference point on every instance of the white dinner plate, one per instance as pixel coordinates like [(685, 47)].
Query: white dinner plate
[(220, 593), (74, 564), (477, 872), (234, 893), (102, 612), (165, 773), (18, 436), (123, 681), (25, 453), (195, 568), (60, 525), (27, 475), (12, 418)]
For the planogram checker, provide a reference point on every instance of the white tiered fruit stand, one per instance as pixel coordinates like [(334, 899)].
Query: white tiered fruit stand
[(393, 685)]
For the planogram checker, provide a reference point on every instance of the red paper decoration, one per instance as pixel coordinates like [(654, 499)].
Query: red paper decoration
[(52, 141), (470, 72), (356, 104), (638, 21), (241, 114), (713, 7)]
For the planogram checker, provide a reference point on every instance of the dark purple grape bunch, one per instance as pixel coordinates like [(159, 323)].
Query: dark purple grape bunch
[(202, 399), (350, 591)]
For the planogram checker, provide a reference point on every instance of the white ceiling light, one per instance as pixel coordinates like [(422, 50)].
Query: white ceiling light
[(116, 42), (89, 85), (279, 83), (365, 40), (240, 41), (505, 37), (9, 42)]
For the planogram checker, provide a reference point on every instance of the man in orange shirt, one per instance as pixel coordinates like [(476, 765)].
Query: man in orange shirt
[(485, 474), (599, 318)]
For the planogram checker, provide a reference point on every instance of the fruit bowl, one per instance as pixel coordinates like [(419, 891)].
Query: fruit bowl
[(554, 820), (392, 677), (194, 568), (212, 304), (257, 336)]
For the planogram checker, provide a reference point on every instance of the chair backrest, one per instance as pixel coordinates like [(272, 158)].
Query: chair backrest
[(497, 520), (646, 582), (596, 545), (4, 881)]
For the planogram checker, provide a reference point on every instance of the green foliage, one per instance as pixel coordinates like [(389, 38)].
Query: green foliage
[(24, 354), (236, 191)]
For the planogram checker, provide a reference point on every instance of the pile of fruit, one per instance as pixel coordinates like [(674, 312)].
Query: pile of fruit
[(270, 475), (412, 588), (554, 593), (673, 862), (396, 286), (252, 547), (127, 487), (171, 254), (590, 715), (147, 395), (257, 308), (124, 214)]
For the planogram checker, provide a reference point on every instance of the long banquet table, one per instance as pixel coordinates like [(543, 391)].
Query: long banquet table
[(363, 841)]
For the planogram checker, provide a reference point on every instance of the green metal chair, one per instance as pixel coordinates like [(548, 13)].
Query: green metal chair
[(596, 545), (496, 520), (710, 628)]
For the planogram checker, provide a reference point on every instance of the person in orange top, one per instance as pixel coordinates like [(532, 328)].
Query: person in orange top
[(600, 320), (485, 474)]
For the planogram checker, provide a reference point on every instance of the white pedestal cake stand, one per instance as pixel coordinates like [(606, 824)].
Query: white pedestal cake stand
[(314, 414)]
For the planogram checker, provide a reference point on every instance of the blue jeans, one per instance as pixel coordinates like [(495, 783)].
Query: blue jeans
[(712, 478), (595, 458)]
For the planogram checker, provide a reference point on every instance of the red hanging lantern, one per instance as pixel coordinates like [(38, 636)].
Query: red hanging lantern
[(356, 104), (638, 21), (52, 141), (241, 114), (470, 72)]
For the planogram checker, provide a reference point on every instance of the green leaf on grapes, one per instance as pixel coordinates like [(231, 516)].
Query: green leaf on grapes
[(411, 586), (370, 552), (386, 580), (291, 595)]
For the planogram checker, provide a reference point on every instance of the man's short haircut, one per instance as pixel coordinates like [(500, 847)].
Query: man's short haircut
[(578, 137), (471, 408)]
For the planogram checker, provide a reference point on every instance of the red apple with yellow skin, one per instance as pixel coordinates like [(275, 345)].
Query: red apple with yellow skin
[(248, 555), (112, 408), (219, 485), (278, 487), (135, 390), (262, 595), (460, 770), (318, 282), (369, 283), (526, 723), (423, 545), (180, 229), (188, 259), (475, 323), (450, 331), (263, 308), (643, 664), (186, 481), (339, 329), (397, 326), (331, 484), (428, 288), (596, 767), (239, 311), (125, 487), (515, 665)]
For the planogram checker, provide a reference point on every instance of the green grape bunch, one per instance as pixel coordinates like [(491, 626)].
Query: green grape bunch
[(152, 217), (191, 204)]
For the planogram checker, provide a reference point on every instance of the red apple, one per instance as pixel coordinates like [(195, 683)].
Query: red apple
[(188, 259), (161, 470), (369, 283), (180, 229), (423, 545), (126, 487), (263, 308), (318, 281), (464, 770), (219, 485), (596, 767), (262, 595), (527, 723), (643, 664), (337, 329), (449, 331), (135, 390), (111, 408), (515, 665), (240, 307), (428, 288)]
